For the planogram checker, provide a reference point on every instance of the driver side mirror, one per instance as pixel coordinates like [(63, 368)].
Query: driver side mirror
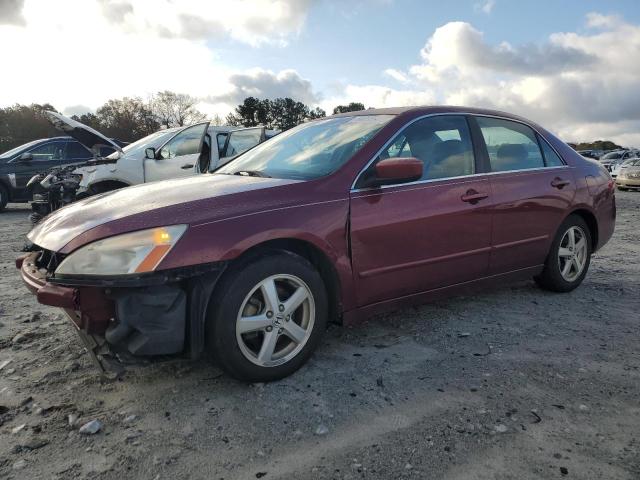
[(150, 153), (391, 171), (26, 157)]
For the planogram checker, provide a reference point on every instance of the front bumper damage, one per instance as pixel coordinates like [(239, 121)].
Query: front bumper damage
[(123, 320)]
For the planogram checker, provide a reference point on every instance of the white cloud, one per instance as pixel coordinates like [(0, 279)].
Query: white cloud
[(11, 12), (255, 22), (583, 86), (91, 51), (486, 6), (396, 75)]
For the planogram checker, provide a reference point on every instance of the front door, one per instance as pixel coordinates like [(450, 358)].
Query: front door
[(179, 157), (427, 234), (532, 189), (38, 159)]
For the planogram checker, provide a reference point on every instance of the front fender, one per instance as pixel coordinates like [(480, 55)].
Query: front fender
[(323, 225)]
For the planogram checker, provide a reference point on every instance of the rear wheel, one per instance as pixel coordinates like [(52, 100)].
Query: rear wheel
[(623, 189), (569, 257), (267, 316), (4, 197)]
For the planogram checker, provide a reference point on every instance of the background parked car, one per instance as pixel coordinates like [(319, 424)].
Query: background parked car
[(166, 154), (611, 158), (617, 166), (19, 164), (594, 154), (629, 175)]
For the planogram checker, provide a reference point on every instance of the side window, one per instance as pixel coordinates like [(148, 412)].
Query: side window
[(511, 145), (242, 140), (48, 151), (551, 158), (76, 151), (442, 143), (221, 138), (186, 142)]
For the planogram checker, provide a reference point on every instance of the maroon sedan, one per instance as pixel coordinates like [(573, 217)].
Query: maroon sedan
[(333, 220)]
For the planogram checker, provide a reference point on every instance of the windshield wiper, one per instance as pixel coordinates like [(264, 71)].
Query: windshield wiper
[(251, 173)]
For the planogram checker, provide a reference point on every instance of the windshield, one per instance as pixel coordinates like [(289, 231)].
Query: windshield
[(13, 151), (310, 150), (154, 140)]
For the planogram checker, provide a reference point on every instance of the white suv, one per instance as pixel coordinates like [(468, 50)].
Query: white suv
[(171, 153)]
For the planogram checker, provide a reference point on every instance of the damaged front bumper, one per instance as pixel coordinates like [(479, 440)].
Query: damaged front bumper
[(121, 319)]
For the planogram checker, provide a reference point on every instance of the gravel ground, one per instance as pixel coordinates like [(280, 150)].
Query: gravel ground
[(514, 383)]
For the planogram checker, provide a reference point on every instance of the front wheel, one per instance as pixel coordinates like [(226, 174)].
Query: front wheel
[(267, 316), (569, 257)]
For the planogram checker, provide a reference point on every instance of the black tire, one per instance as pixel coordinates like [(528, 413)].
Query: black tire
[(228, 298), (4, 197), (551, 277), (623, 189)]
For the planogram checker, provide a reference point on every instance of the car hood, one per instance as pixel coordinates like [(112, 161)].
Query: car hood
[(148, 205), (90, 138)]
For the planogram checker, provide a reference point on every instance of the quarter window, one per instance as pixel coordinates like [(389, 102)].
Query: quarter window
[(551, 158), (442, 143), (511, 145)]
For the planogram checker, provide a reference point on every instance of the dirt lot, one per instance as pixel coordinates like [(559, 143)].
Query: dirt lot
[(514, 383)]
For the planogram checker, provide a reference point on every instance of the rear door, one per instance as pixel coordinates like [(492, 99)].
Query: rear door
[(178, 157), (532, 190), (423, 235)]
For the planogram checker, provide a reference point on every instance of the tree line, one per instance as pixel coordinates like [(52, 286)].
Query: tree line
[(131, 118)]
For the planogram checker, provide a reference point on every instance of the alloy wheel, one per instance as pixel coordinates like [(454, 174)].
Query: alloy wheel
[(275, 320), (572, 253)]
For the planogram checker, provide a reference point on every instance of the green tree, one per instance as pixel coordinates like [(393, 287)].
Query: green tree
[(352, 107), (20, 124), (89, 119), (279, 113), (597, 145), (250, 113)]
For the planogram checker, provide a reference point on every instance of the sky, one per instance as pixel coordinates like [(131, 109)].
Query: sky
[(572, 65)]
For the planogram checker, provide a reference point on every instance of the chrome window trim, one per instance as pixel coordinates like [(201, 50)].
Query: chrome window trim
[(473, 175), (386, 145)]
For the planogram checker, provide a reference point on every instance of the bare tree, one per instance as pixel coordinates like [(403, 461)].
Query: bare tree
[(217, 120), (175, 109)]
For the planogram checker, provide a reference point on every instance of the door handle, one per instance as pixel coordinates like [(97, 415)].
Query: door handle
[(559, 183), (186, 166), (473, 197)]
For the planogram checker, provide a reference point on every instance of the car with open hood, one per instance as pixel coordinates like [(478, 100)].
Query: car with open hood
[(20, 164), (331, 221), (170, 153)]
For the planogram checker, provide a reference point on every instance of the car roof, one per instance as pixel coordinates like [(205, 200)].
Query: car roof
[(429, 110)]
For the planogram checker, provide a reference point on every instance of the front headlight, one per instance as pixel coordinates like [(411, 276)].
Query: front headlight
[(135, 252)]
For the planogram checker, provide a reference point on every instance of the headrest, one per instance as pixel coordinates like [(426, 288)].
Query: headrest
[(446, 149), (515, 151)]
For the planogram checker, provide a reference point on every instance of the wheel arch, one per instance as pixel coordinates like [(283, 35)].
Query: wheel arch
[(316, 256), (592, 222)]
